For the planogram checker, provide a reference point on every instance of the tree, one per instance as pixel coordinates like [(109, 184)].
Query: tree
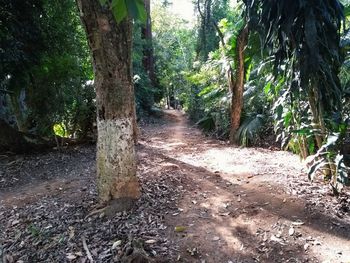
[(236, 83), (210, 12), (110, 39), (235, 76), (148, 59), (174, 51)]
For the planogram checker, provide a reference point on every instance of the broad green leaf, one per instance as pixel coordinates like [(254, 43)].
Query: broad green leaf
[(347, 11), (136, 9), (119, 10)]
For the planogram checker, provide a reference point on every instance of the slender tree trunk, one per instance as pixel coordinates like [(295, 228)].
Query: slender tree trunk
[(148, 58), (313, 101), (237, 86), (110, 44)]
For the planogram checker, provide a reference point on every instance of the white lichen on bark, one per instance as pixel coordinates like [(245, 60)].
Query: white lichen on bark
[(116, 164)]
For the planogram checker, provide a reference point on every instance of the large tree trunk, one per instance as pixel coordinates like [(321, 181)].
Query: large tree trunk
[(237, 86), (110, 44)]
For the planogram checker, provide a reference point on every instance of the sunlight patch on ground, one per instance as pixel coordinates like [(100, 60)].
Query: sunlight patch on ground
[(243, 161)]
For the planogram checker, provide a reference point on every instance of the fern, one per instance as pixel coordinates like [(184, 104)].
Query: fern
[(249, 129)]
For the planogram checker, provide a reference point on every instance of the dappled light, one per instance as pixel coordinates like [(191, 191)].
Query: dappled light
[(163, 131), (235, 214)]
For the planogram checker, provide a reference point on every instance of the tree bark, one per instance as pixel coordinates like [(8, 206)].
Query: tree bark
[(110, 44), (148, 58), (237, 86)]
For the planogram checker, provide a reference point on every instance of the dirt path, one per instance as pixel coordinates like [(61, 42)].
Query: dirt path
[(203, 201), (244, 204)]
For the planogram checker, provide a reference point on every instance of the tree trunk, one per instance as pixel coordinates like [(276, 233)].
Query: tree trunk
[(148, 58), (237, 86), (313, 101), (110, 44)]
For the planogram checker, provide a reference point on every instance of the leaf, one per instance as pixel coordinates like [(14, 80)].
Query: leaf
[(315, 167), (71, 232), (291, 231), (119, 10), (116, 244), (136, 9), (298, 223), (276, 239), (180, 229), (70, 256), (347, 10), (151, 241), (267, 88)]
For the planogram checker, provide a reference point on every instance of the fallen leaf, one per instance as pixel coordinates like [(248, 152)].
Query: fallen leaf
[(225, 214), (14, 222), (276, 239), (116, 244), (298, 223), (291, 231), (151, 241), (216, 238), (71, 232), (180, 229), (70, 256)]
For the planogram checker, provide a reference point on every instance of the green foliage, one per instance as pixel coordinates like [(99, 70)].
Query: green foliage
[(303, 37), (174, 51), (60, 130), (122, 8), (46, 85), (330, 162), (250, 129)]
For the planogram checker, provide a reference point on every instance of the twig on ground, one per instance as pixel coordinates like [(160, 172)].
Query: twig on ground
[(95, 212), (87, 250)]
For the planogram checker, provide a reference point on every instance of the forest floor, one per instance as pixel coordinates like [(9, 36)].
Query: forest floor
[(202, 201)]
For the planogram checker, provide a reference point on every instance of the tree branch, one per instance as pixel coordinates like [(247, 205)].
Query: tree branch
[(6, 91)]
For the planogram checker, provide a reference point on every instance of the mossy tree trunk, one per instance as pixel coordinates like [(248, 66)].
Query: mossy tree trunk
[(110, 44)]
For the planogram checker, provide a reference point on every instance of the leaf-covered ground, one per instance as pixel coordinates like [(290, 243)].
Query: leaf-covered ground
[(202, 201)]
